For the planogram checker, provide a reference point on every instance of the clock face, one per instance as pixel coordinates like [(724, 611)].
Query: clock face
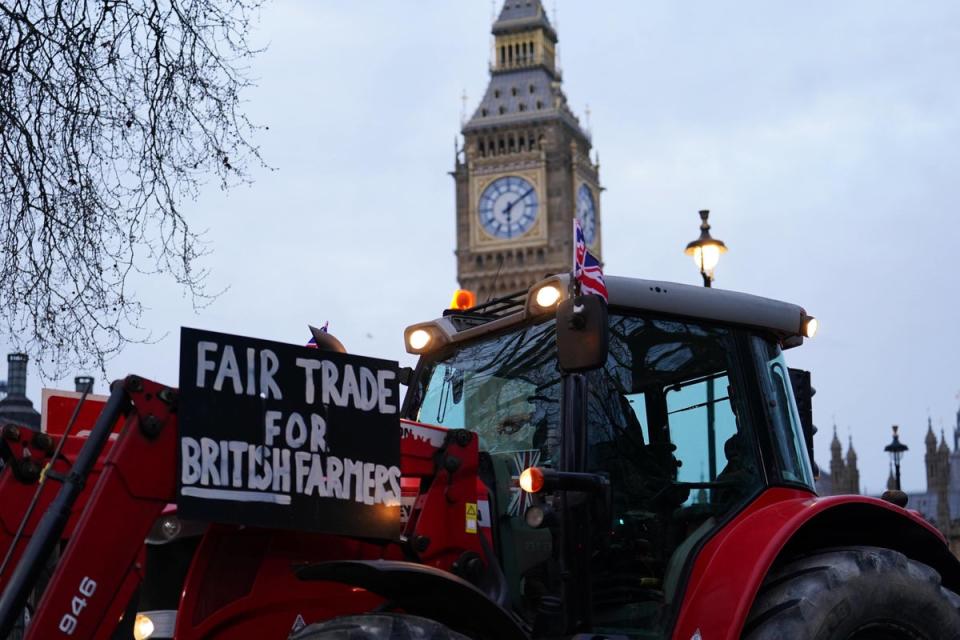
[(508, 207), (587, 213)]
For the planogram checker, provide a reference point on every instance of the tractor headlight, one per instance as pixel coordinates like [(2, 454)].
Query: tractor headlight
[(418, 339), (547, 296), (543, 297), (155, 625), (421, 338), (143, 627)]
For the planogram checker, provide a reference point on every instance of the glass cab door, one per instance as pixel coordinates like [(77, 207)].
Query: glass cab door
[(667, 424)]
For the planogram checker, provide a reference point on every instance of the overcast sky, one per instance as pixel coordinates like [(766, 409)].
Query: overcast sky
[(823, 136)]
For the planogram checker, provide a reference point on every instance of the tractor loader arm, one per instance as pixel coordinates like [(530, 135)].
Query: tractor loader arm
[(101, 565), (36, 462)]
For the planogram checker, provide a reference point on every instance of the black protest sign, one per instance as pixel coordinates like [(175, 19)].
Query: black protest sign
[(278, 435)]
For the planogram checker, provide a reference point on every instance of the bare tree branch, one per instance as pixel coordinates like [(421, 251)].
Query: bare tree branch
[(112, 113)]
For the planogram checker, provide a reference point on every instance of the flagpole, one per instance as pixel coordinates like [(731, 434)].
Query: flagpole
[(574, 280)]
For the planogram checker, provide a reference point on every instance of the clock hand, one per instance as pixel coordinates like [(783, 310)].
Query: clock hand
[(510, 206)]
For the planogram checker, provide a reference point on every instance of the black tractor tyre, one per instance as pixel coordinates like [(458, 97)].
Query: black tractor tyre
[(379, 626), (854, 593)]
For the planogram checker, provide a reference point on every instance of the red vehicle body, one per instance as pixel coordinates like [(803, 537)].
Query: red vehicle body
[(242, 582), (248, 582), (732, 565)]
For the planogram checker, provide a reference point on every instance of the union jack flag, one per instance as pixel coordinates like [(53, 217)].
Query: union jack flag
[(520, 499), (586, 267)]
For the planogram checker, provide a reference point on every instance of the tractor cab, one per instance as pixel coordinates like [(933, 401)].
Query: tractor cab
[(676, 401)]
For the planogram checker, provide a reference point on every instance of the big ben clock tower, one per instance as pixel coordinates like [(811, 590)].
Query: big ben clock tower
[(524, 171)]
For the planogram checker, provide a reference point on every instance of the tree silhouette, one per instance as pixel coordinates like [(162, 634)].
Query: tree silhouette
[(112, 113)]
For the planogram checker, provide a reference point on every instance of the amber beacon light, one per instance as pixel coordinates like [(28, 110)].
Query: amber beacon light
[(463, 299)]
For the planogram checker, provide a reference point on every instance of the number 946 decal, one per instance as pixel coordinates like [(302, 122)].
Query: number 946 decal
[(68, 623)]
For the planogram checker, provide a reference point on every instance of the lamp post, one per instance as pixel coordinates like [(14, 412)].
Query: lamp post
[(896, 449), (705, 250)]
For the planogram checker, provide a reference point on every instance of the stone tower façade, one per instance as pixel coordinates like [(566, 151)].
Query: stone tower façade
[(524, 169), (844, 477)]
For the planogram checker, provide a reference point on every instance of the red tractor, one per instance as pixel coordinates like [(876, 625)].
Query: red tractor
[(570, 469)]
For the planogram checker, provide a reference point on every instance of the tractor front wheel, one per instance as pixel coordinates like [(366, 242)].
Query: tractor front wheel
[(378, 626), (854, 593)]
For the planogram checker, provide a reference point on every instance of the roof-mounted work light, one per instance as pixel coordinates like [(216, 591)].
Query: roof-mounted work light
[(547, 296), (421, 338), (418, 339)]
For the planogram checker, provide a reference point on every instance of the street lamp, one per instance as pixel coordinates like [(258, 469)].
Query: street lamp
[(896, 449), (705, 250)]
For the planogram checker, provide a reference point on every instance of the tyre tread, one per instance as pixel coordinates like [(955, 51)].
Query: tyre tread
[(821, 594)]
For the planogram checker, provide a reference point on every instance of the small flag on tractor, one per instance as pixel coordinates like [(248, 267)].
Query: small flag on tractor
[(586, 268), (312, 342)]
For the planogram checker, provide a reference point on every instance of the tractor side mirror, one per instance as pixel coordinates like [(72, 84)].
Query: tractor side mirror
[(582, 333), (803, 393)]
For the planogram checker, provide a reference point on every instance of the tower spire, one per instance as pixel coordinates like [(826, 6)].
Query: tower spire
[(956, 430), (521, 13), (835, 446)]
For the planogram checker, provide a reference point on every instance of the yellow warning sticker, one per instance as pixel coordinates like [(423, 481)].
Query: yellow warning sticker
[(471, 517)]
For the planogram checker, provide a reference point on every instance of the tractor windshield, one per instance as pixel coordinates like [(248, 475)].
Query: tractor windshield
[(507, 389), (669, 420)]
